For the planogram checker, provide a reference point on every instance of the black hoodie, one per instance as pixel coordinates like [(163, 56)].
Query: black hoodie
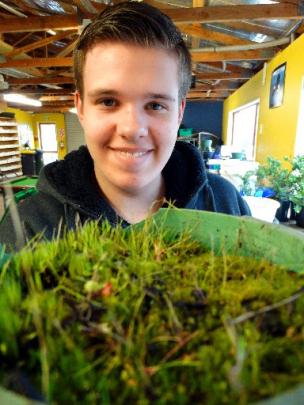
[(68, 194)]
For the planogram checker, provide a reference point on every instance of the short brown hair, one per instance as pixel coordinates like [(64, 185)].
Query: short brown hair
[(135, 23)]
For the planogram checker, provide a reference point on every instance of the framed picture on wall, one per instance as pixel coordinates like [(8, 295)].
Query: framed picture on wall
[(277, 86)]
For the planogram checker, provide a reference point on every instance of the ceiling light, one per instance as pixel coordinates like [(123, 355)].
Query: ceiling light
[(73, 110), (20, 99)]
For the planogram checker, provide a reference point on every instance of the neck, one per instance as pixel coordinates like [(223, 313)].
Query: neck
[(136, 206)]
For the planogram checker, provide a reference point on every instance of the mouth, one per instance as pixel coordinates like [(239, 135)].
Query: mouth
[(131, 153)]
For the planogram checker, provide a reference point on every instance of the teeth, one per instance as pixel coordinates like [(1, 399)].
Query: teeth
[(132, 154)]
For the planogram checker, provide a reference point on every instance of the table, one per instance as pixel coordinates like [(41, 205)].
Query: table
[(22, 187), (19, 183)]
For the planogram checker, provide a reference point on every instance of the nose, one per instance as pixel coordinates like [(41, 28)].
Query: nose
[(132, 124)]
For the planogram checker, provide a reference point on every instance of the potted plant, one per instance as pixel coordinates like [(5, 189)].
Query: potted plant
[(296, 188), (269, 180)]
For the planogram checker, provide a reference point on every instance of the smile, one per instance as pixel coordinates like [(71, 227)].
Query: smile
[(130, 154)]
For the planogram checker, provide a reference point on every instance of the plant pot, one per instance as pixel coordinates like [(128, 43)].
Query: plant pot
[(300, 218), (282, 214)]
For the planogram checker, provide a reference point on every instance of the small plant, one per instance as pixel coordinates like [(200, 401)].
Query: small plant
[(286, 183), (274, 175), (296, 183)]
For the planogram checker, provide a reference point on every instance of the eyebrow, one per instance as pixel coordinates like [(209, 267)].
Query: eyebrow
[(111, 93)]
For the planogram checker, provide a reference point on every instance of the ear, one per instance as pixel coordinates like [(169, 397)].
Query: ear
[(79, 105), (181, 110)]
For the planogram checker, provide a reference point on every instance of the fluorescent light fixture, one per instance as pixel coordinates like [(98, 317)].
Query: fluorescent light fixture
[(20, 99), (73, 110)]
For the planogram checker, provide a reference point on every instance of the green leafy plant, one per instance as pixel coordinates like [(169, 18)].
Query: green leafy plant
[(296, 183), (286, 182), (275, 175)]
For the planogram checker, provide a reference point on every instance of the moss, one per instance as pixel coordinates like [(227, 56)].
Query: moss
[(109, 316)]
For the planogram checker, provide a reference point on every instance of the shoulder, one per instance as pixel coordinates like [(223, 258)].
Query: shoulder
[(226, 196), (218, 182), (38, 214)]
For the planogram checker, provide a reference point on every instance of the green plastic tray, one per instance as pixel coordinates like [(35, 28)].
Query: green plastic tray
[(245, 236)]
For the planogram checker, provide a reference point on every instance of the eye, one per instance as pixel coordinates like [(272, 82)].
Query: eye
[(108, 102), (155, 106)]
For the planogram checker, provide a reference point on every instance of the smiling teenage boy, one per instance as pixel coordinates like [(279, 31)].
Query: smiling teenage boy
[(132, 72)]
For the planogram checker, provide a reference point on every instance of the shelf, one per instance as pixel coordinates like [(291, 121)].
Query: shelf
[(9, 168), (8, 123), (9, 138), (10, 149), (8, 131), (10, 153)]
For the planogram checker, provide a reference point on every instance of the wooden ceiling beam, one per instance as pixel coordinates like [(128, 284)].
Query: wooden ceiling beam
[(229, 67), (255, 28), (222, 86), (262, 54), (47, 109), (235, 13), (39, 92), (37, 62), (85, 6), (39, 44), (62, 22), (207, 95), (67, 50), (196, 30), (57, 98), (41, 80), (223, 76), (300, 30), (179, 15)]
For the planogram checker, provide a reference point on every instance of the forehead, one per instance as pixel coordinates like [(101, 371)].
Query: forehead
[(113, 62)]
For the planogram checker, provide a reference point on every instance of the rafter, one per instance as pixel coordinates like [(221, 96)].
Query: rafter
[(208, 95), (232, 56), (198, 31), (234, 13), (37, 62), (85, 6), (222, 86), (62, 22), (39, 44), (56, 98), (179, 15), (41, 80), (223, 76), (67, 50)]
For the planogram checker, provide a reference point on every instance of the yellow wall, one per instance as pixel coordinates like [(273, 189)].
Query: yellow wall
[(51, 118), (32, 121), (277, 126)]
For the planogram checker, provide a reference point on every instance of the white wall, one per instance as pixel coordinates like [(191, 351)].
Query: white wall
[(75, 137)]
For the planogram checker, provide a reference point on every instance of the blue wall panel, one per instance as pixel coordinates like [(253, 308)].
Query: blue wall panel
[(204, 116)]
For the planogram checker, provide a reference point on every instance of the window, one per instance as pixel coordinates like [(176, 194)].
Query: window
[(48, 142), (243, 128)]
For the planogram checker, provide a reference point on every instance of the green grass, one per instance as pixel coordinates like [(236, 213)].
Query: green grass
[(113, 316)]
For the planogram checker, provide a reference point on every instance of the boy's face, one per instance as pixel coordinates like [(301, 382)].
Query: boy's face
[(130, 114)]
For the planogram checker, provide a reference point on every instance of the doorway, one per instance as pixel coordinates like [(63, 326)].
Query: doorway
[(48, 142)]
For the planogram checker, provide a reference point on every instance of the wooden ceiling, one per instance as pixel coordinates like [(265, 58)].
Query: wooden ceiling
[(229, 41)]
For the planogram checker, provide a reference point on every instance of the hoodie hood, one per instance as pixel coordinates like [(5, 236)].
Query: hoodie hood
[(185, 175), (72, 180)]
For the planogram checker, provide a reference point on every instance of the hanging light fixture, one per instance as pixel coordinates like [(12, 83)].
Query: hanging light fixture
[(20, 99)]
